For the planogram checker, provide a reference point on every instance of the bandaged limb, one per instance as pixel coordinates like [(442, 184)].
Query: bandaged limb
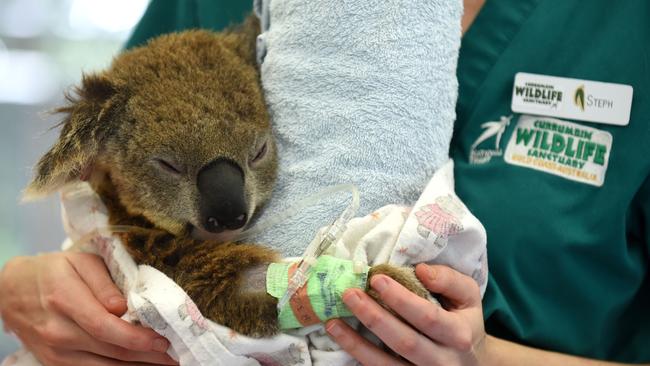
[(320, 298)]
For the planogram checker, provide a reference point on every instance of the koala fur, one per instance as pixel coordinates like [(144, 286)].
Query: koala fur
[(152, 135)]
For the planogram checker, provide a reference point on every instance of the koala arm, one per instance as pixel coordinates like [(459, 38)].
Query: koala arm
[(227, 280), (217, 276)]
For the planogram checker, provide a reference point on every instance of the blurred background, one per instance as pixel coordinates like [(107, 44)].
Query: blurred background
[(45, 45)]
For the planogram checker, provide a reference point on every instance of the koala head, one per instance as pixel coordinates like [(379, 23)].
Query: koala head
[(179, 127)]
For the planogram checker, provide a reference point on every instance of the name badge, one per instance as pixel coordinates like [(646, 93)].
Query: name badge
[(577, 99)]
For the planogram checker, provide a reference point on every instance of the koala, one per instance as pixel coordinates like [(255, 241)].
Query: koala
[(176, 139)]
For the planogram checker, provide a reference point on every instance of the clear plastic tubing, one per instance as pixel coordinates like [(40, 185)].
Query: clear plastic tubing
[(320, 243), (347, 214)]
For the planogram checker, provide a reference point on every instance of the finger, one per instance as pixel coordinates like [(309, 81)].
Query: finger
[(400, 337), (123, 354), (431, 319), (76, 358), (94, 273), (459, 289), (77, 302), (358, 347), (64, 334)]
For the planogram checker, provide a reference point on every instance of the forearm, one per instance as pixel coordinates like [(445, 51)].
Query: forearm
[(471, 10), (499, 352)]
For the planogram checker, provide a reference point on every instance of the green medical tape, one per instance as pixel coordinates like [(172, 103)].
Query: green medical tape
[(327, 281)]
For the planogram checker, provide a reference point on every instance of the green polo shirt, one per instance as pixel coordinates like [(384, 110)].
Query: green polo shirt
[(568, 259)]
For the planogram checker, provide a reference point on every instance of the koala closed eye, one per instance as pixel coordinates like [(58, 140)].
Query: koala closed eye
[(259, 155), (168, 167)]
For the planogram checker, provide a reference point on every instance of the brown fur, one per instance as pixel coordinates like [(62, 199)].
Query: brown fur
[(189, 98)]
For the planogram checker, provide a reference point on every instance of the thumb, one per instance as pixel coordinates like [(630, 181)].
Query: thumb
[(94, 273)]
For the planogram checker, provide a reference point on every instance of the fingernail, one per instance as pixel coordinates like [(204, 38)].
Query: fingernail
[(429, 272), (333, 328), (379, 283), (351, 298), (160, 345), (115, 301)]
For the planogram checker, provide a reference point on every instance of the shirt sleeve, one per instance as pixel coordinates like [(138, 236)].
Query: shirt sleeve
[(165, 16)]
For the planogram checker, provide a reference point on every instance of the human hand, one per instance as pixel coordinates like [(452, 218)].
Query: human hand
[(65, 308), (428, 334)]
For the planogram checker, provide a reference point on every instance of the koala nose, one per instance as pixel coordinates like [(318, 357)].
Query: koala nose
[(222, 200)]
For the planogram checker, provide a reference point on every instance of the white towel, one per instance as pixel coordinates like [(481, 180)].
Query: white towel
[(359, 92)]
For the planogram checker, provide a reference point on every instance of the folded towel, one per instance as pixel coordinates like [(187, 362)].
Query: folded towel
[(359, 92)]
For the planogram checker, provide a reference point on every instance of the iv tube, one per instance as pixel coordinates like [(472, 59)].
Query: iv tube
[(347, 214), (313, 250)]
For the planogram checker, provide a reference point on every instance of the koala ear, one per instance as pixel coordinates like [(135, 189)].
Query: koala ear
[(87, 123), (243, 38)]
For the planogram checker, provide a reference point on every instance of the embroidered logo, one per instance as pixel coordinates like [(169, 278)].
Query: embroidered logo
[(491, 129), (562, 148)]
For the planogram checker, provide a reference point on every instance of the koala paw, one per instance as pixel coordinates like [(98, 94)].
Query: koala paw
[(404, 276)]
